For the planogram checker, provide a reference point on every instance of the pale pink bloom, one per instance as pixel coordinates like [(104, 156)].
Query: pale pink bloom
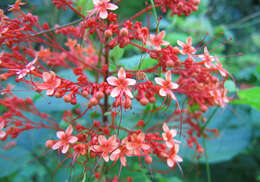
[(2, 133), (101, 7), (187, 48), (28, 68), (65, 139), (157, 40), (221, 97), (106, 146), (168, 136), (121, 84), (136, 144), (50, 82), (173, 157), (167, 85), (207, 58), (220, 68), (121, 153)]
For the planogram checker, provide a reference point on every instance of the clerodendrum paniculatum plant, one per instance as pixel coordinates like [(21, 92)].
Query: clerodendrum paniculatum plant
[(32, 55)]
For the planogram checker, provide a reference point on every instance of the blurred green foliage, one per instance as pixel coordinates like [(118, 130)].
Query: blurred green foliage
[(233, 156)]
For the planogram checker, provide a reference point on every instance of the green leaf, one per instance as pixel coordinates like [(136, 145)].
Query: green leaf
[(148, 63), (85, 6), (116, 54), (230, 86), (256, 39), (249, 96), (231, 130)]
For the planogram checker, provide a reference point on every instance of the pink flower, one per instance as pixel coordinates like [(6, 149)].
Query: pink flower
[(157, 40), (167, 85), (168, 136), (106, 146), (28, 68), (220, 68), (187, 48), (173, 157), (101, 7), (2, 133), (51, 82), (136, 144), (121, 84), (207, 58), (121, 153), (65, 139)]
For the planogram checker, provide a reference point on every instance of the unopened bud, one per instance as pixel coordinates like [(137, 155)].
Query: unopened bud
[(123, 32)]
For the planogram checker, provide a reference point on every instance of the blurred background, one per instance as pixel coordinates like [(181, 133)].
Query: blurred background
[(233, 156)]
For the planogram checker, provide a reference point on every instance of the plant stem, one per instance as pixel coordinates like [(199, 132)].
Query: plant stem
[(207, 161), (56, 28)]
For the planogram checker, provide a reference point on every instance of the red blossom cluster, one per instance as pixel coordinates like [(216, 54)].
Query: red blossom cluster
[(199, 77)]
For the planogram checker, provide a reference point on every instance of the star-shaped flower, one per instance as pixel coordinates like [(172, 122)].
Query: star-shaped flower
[(167, 85), (65, 139), (101, 7), (121, 84), (50, 82), (157, 40)]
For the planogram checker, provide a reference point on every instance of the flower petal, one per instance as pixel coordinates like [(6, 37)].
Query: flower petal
[(161, 35), (180, 43), (103, 14), (2, 124), (123, 160), (95, 2), (159, 81), (72, 139), (2, 134), (162, 92), (112, 80), (46, 76), (115, 92), (174, 85), (60, 134), (170, 162), (130, 81), (165, 127), (112, 6), (50, 92), (121, 73), (129, 93), (106, 156), (102, 140), (69, 130), (168, 76), (65, 149), (178, 158), (56, 145)]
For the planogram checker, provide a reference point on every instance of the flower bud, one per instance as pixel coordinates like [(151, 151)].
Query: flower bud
[(144, 101), (123, 32), (108, 33)]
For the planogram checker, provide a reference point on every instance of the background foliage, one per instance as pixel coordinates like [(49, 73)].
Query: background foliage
[(233, 156)]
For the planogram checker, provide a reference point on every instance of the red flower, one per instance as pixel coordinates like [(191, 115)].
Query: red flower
[(2, 133), (187, 48), (156, 40), (51, 82), (207, 58), (173, 157), (28, 68), (167, 85), (65, 139), (121, 153), (121, 84), (106, 146), (101, 7), (168, 136), (136, 144)]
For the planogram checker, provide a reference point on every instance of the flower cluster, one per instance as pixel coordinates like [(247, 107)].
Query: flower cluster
[(180, 70)]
